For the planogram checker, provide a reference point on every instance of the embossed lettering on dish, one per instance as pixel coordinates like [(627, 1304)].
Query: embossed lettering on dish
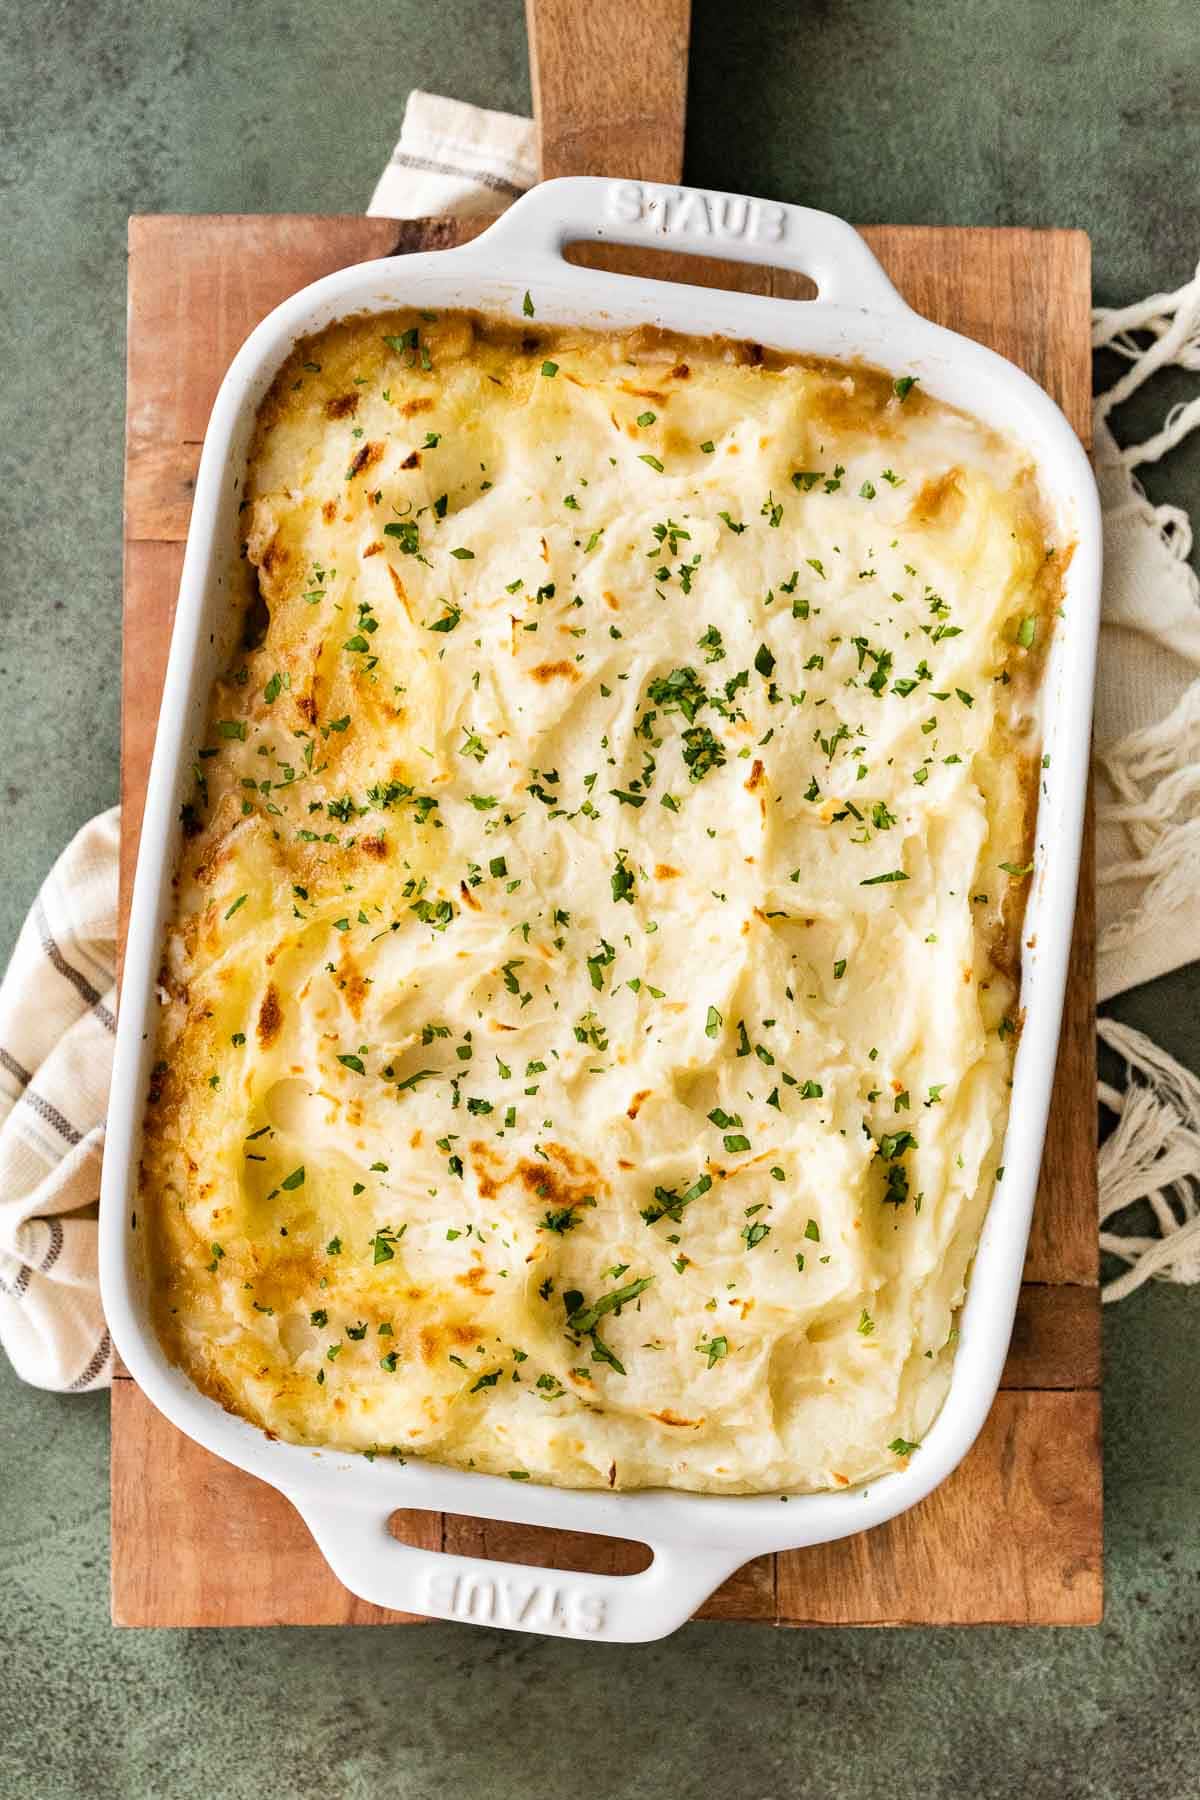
[(501, 1600), (696, 213)]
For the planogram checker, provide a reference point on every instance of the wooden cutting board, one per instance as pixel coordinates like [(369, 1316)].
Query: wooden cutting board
[(1014, 1537)]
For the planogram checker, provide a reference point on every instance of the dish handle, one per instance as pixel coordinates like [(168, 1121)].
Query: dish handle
[(697, 221), (439, 1584)]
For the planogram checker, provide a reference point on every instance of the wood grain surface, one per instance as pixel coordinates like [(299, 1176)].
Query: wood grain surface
[(609, 83), (1015, 1535)]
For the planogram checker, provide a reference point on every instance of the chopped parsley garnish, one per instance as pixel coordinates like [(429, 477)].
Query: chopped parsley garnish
[(597, 962), (680, 691), (449, 619), (584, 1320), (407, 534), (437, 913), (701, 752), (670, 1204), (384, 1242), (565, 1218), (623, 884)]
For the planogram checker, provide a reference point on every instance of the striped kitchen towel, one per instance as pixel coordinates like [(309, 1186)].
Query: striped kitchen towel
[(57, 1019), (455, 159)]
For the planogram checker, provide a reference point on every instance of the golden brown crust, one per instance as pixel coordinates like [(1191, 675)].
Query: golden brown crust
[(349, 1241)]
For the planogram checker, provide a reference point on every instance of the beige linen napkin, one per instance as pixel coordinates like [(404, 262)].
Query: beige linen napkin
[(57, 1019), (56, 1001)]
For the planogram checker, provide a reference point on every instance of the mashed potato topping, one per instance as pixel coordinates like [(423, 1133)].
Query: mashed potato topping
[(589, 1006)]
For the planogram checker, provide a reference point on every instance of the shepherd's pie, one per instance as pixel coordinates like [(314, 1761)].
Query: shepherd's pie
[(590, 1002)]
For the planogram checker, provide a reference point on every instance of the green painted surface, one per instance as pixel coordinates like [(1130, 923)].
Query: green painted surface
[(994, 111)]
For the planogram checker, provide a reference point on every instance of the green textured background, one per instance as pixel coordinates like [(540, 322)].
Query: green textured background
[(1045, 112)]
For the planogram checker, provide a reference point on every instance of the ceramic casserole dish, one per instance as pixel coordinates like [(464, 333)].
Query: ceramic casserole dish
[(696, 1539)]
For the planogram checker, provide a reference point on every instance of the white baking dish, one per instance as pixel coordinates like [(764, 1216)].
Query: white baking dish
[(696, 1539)]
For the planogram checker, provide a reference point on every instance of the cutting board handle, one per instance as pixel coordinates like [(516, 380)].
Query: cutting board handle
[(535, 231), (609, 86), (439, 1584)]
